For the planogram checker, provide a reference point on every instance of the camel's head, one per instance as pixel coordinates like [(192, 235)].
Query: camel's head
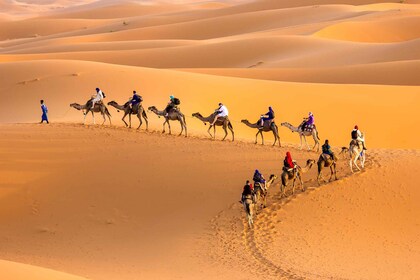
[(285, 124), (152, 108), (273, 176), (310, 162), (244, 121), (112, 102), (75, 106), (197, 114)]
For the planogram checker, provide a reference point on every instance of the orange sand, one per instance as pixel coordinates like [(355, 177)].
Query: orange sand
[(106, 202)]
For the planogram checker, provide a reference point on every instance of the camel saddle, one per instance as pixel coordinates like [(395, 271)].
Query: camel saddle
[(309, 127), (327, 157)]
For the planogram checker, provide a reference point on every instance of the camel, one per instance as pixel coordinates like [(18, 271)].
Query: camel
[(303, 134), (223, 122), (356, 152), (174, 115), (98, 108), (268, 126), (287, 175), (139, 111), (249, 209), (326, 162), (261, 196)]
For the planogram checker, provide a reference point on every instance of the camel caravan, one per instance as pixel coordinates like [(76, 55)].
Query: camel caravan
[(253, 198)]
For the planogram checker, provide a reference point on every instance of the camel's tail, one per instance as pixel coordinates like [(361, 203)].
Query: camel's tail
[(107, 112), (317, 135), (230, 125)]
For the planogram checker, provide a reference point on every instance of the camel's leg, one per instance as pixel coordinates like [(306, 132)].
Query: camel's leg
[(226, 133), (208, 131), (93, 116), (306, 142), (319, 176), (300, 135), (301, 182), (293, 185), (166, 120), (169, 126), (182, 126), (214, 131), (129, 120), (262, 137), (363, 159), (103, 115), (314, 135), (335, 171), (256, 137), (145, 119), (332, 171), (84, 119), (233, 134), (123, 119), (140, 121), (109, 118)]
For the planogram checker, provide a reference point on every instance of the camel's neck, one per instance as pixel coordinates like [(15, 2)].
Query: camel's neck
[(117, 106), (79, 107), (203, 119), (157, 112), (252, 125), (292, 128), (307, 167)]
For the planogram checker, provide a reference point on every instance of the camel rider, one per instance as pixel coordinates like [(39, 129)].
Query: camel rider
[(269, 116), (309, 121), (135, 100), (259, 179), (98, 97), (358, 136), (248, 190), (221, 112), (326, 149), (289, 164), (173, 102)]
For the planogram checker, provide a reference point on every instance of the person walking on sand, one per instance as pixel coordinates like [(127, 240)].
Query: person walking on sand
[(44, 112)]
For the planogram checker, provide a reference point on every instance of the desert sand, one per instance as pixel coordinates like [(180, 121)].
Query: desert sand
[(108, 202)]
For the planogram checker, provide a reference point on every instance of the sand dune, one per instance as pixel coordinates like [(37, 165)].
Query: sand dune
[(15, 271), (383, 31), (108, 202), (391, 73), (112, 231)]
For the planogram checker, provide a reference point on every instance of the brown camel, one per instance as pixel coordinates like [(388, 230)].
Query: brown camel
[(222, 121), (326, 161), (260, 194), (98, 108), (138, 110), (268, 126), (174, 115), (294, 174)]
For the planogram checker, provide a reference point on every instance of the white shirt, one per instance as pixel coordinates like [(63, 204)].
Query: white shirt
[(223, 111), (99, 95)]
